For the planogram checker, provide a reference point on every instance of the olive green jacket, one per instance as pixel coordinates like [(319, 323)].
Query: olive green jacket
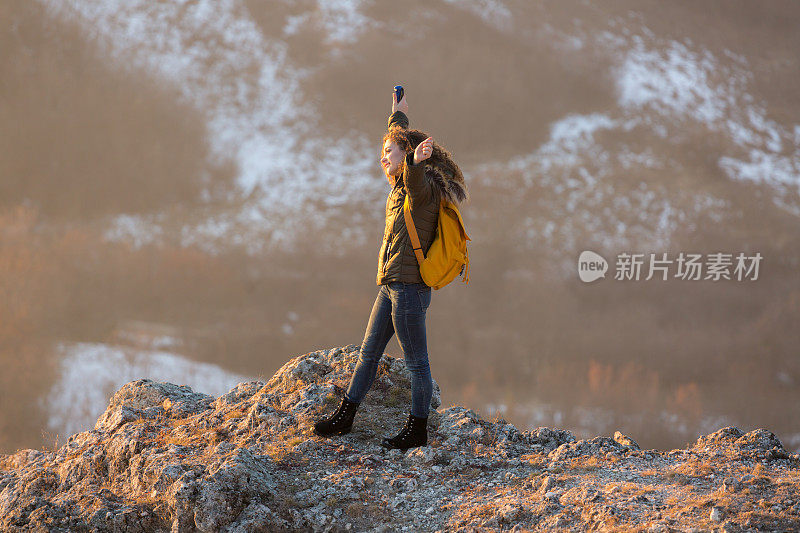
[(425, 186)]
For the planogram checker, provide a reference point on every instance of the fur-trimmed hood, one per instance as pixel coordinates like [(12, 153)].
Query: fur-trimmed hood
[(449, 188)]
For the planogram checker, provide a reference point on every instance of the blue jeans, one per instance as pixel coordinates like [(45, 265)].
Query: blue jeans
[(399, 308)]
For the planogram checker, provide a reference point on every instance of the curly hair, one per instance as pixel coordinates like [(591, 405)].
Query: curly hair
[(440, 159)]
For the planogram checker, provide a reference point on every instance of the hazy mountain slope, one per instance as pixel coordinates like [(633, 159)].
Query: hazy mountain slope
[(610, 131)]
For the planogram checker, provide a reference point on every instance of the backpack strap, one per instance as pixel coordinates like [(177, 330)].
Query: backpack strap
[(465, 279), (412, 232)]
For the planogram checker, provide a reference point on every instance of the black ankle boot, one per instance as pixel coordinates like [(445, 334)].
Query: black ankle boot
[(340, 422), (414, 433)]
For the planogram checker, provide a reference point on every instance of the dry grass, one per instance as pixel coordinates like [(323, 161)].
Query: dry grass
[(332, 501), (627, 488), (234, 413), (470, 472), (374, 512), (159, 509), (694, 468), (584, 464), (377, 512), (482, 510), (676, 478), (191, 440), (294, 441), (285, 502), (282, 453), (355, 510), (398, 396)]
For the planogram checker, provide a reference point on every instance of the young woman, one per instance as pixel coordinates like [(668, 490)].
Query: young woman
[(418, 167)]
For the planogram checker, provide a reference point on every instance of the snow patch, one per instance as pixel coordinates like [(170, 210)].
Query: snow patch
[(343, 20), (250, 94), (673, 80), (494, 12), (763, 167), (682, 85), (90, 373)]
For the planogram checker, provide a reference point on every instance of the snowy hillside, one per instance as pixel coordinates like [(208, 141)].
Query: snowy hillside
[(674, 130)]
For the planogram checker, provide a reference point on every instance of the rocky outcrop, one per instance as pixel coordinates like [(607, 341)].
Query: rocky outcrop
[(165, 458)]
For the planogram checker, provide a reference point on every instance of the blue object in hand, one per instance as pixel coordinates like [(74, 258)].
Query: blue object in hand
[(398, 90)]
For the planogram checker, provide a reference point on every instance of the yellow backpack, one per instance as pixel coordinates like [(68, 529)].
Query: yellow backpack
[(448, 256)]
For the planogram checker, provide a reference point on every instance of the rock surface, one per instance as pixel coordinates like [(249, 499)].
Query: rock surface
[(165, 458)]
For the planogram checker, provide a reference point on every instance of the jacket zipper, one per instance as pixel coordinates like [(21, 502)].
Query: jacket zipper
[(386, 255), (389, 246)]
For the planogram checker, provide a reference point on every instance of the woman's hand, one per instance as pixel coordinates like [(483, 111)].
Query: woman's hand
[(423, 151), (401, 106)]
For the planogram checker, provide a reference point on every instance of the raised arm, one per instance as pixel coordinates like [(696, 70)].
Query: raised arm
[(399, 115), (418, 185)]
